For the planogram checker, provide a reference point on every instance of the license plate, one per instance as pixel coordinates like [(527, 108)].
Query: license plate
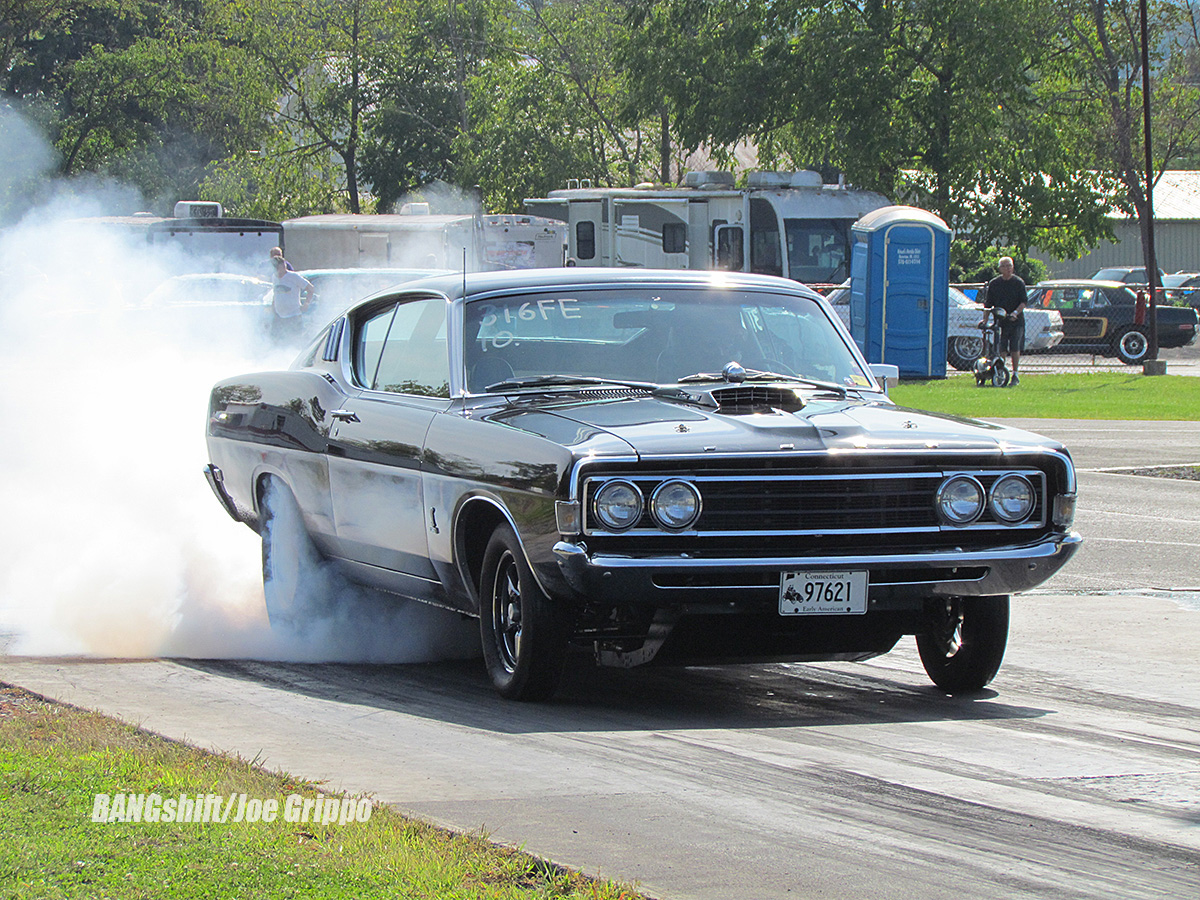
[(822, 593)]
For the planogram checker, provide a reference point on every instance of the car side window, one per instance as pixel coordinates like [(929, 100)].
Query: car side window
[(414, 353)]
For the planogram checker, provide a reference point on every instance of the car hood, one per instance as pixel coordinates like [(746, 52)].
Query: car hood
[(651, 426)]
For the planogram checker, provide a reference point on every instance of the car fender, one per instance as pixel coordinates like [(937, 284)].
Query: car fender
[(475, 518)]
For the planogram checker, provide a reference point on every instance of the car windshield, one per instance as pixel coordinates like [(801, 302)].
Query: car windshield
[(652, 336)]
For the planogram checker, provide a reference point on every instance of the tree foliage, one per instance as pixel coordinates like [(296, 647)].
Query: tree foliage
[(1015, 120)]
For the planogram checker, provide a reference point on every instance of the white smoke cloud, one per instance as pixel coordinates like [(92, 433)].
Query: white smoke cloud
[(114, 544)]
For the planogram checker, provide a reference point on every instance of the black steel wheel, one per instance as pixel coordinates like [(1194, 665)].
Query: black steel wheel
[(962, 351), (524, 634), (289, 557), (1132, 345), (964, 645)]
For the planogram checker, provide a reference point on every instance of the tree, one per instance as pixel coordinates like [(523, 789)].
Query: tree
[(1098, 90), (552, 107), (932, 102), (322, 58), (424, 94)]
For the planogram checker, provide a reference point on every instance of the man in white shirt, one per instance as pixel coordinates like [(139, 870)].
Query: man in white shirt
[(291, 295)]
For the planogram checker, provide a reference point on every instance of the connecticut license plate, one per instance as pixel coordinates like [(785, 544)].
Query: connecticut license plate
[(822, 593)]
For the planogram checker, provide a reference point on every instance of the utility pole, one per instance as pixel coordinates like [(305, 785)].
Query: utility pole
[(1148, 228)]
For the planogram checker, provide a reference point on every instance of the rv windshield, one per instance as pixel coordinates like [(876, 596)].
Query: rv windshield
[(647, 335), (817, 250)]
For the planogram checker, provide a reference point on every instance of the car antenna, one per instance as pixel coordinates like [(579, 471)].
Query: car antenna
[(464, 273)]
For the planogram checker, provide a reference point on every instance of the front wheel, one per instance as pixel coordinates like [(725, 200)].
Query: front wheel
[(1000, 376), (524, 634), (965, 643), (1132, 345)]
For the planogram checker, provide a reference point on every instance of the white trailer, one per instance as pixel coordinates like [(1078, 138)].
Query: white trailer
[(419, 239), (781, 223)]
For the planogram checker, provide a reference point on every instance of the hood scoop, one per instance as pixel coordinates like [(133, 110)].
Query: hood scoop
[(747, 399)]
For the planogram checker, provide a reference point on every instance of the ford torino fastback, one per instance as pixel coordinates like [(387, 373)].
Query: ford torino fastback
[(647, 466)]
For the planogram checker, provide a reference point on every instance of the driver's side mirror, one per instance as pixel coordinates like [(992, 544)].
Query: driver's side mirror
[(887, 375)]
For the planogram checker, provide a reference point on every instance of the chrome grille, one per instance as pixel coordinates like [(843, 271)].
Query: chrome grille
[(820, 504)]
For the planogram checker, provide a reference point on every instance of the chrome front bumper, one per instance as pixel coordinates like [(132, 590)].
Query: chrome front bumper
[(642, 579)]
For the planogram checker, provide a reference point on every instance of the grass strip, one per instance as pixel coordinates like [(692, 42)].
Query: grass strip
[(1105, 395), (55, 759)]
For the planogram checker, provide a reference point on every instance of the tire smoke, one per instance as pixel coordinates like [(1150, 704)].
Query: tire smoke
[(115, 546)]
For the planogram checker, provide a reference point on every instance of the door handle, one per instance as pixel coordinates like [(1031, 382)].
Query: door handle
[(345, 415)]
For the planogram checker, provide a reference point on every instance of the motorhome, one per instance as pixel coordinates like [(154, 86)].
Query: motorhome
[(780, 223), (415, 237)]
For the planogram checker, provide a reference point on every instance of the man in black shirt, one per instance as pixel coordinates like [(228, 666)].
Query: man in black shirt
[(1006, 299)]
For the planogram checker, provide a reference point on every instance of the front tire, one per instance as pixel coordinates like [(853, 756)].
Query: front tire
[(965, 643), (1000, 376), (524, 633), (1132, 345)]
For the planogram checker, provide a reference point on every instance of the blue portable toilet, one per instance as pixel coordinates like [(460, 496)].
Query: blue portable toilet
[(900, 289)]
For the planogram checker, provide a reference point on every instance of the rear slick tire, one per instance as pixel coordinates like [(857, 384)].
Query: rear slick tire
[(964, 647), (524, 634), (289, 557)]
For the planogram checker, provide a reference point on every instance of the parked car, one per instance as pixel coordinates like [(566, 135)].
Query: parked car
[(964, 340), (1102, 317), (209, 290), (668, 466), (1182, 288), (1135, 275), (209, 306)]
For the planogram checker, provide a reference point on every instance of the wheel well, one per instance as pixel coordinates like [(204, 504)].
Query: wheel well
[(476, 523)]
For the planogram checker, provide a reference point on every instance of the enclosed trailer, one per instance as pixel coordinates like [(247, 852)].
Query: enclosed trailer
[(423, 240)]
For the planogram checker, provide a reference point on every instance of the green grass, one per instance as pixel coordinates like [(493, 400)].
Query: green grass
[(55, 759), (1115, 395)]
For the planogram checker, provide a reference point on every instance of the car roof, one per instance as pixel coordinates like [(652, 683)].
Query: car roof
[(472, 284), (1081, 282), (365, 270)]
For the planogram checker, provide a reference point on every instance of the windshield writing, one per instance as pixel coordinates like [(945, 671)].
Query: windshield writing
[(652, 336)]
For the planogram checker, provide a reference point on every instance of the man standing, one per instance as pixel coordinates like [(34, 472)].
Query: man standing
[(293, 293), (1006, 299)]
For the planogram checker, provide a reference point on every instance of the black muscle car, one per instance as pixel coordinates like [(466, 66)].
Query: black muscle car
[(1103, 317), (648, 465)]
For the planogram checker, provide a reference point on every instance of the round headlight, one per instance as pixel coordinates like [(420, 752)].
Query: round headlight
[(1012, 499), (675, 504), (618, 505), (960, 500)]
